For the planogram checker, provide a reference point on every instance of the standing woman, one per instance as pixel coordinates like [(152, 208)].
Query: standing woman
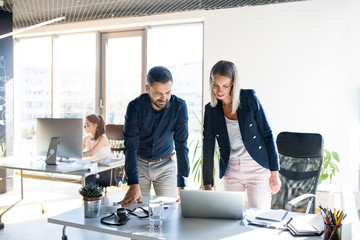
[(236, 119), (97, 146)]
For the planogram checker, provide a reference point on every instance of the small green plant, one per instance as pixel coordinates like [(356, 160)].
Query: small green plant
[(329, 168), (91, 190)]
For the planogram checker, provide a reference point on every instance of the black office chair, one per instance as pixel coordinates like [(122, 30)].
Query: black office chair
[(301, 157), (115, 176), (116, 138), (114, 132)]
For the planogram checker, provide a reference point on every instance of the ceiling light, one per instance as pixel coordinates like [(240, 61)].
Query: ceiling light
[(31, 27)]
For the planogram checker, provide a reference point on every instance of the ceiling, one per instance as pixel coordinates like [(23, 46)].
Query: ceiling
[(30, 12)]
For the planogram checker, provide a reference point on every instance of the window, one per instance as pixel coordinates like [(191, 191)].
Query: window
[(32, 65), (74, 75), (122, 72), (70, 93), (55, 76), (180, 49)]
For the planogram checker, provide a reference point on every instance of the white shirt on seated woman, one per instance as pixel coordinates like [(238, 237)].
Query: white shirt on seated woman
[(96, 144), (97, 149)]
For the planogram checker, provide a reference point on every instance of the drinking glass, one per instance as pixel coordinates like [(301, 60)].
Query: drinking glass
[(155, 213)]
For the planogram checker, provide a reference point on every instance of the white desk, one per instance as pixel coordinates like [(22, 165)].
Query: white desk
[(24, 163), (174, 227)]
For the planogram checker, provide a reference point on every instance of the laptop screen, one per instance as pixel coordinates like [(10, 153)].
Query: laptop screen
[(212, 204)]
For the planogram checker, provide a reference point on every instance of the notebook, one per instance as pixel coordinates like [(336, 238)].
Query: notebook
[(306, 225), (212, 204), (276, 215)]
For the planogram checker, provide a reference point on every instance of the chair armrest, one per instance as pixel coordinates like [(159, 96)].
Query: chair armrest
[(289, 205)]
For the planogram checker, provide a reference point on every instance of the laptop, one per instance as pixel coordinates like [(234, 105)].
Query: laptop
[(212, 204)]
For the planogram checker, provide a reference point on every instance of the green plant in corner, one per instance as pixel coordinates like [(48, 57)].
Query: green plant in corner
[(197, 157), (329, 167), (196, 160)]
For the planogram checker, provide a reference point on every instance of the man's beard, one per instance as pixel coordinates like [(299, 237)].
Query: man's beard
[(159, 105)]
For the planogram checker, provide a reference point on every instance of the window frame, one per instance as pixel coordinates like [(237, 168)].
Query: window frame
[(102, 81)]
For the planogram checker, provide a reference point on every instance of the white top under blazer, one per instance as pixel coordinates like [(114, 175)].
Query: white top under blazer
[(238, 149)]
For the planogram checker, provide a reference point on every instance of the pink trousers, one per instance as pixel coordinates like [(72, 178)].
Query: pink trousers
[(247, 174)]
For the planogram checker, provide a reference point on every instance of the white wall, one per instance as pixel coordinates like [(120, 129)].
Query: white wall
[(302, 58)]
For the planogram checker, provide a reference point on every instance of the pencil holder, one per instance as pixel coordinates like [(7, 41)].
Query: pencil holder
[(332, 232)]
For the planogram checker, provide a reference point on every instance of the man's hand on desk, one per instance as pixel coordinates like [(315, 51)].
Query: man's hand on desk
[(132, 195), (208, 187)]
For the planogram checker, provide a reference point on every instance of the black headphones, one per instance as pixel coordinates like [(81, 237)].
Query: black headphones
[(122, 216)]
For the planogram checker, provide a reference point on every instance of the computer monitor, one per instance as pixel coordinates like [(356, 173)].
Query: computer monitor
[(59, 137)]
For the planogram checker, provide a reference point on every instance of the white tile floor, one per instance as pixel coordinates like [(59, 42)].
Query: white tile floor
[(27, 222)]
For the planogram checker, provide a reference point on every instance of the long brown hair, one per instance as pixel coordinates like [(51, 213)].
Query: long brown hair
[(100, 124), (226, 69)]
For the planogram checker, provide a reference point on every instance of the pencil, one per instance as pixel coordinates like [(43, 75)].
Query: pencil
[(332, 220), (334, 230), (336, 227)]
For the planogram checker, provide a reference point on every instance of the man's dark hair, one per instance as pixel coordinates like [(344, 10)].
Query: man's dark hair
[(158, 74)]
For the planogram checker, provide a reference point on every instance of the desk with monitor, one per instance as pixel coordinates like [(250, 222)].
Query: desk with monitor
[(56, 139), (35, 164), (174, 226)]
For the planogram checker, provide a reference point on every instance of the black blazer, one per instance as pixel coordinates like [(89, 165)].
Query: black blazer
[(255, 131)]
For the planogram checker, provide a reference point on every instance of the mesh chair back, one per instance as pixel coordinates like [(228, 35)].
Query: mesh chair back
[(116, 138), (114, 132), (301, 156)]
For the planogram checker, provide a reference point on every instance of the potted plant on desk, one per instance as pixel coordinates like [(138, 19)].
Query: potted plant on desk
[(92, 195)]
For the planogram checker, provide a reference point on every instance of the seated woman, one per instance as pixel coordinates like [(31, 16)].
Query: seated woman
[(97, 146), (96, 143)]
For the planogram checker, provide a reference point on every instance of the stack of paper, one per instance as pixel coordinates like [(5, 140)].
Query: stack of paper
[(267, 218), (273, 215)]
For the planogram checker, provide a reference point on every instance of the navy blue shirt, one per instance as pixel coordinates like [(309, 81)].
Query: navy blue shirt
[(152, 134)]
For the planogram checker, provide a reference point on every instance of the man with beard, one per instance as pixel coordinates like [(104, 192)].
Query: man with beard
[(155, 122)]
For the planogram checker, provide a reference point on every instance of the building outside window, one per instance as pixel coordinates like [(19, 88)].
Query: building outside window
[(64, 87), (32, 82), (74, 75), (55, 76)]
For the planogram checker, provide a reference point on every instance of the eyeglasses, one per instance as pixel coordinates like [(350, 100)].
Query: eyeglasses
[(88, 125)]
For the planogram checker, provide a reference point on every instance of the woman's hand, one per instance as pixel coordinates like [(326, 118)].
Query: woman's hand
[(208, 187), (275, 182)]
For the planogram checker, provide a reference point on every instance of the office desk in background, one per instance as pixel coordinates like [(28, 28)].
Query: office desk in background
[(37, 164), (174, 226)]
